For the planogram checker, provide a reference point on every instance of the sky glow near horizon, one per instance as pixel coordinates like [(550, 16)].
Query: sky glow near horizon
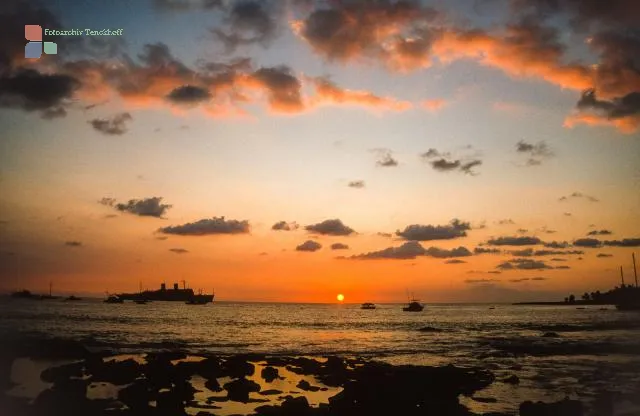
[(248, 116)]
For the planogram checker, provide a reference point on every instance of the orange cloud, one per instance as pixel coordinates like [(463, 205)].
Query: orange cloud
[(628, 125), (434, 105), (328, 92)]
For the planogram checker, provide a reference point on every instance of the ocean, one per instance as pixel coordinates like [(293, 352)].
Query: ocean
[(555, 351)]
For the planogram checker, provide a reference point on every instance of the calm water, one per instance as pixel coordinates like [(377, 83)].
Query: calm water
[(596, 349)]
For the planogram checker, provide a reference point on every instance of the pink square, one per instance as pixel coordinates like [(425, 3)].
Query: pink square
[(33, 32)]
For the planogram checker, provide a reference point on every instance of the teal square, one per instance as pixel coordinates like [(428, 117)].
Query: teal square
[(51, 48)]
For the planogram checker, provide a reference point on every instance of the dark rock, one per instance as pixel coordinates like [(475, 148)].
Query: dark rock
[(564, 407), (237, 367), (184, 390), (512, 379), (169, 403), (291, 406), (166, 356), (238, 390), (485, 399), (115, 372), (271, 392), (269, 374), (65, 398), (304, 385), (550, 334), (161, 373), (61, 373), (429, 329), (54, 348), (137, 395), (213, 385)]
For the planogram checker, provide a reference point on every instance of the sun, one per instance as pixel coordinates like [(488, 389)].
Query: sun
[(340, 297)]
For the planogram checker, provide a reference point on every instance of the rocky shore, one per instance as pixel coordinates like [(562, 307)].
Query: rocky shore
[(175, 384)]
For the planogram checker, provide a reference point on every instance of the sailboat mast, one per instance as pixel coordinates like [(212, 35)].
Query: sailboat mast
[(622, 276), (50, 286), (635, 273)]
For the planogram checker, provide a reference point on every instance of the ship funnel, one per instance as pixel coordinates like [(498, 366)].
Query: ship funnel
[(175, 286)]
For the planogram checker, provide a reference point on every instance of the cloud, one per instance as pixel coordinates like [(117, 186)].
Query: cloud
[(434, 105), (30, 90), (356, 184), (442, 162), (113, 126), (578, 195), (248, 22), (73, 244), (408, 250), (146, 207), (339, 246), (507, 221), (563, 267), (416, 232), (558, 259), (107, 201), (327, 93), (476, 281), (587, 242), (444, 253), (179, 250), (189, 95), (625, 242), (330, 227), (283, 88), (482, 250), (184, 5), (387, 235), (523, 264), (600, 232), (522, 279), (539, 279), (536, 152), (514, 241), (454, 261), (285, 226), (494, 272), (208, 226), (357, 31), (309, 245), (602, 255), (531, 252), (385, 158)]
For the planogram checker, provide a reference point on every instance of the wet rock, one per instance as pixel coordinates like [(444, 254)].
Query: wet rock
[(212, 384), (564, 407), (161, 373), (271, 392), (238, 390), (54, 348), (550, 334), (184, 390), (485, 399), (304, 385), (137, 395), (62, 373), (269, 374), (65, 398), (115, 372), (169, 403), (291, 406), (237, 367), (166, 355), (512, 379)]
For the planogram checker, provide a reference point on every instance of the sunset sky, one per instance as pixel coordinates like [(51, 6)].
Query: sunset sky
[(483, 150)]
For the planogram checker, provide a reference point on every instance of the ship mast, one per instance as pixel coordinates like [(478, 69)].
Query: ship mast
[(635, 273), (622, 276)]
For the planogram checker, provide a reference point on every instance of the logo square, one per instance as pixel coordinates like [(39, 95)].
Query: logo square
[(51, 48), (33, 50), (33, 33)]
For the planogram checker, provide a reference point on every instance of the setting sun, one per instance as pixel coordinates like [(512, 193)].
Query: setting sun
[(340, 297)]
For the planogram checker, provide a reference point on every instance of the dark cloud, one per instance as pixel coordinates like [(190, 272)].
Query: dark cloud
[(475, 281), (567, 214), (179, 250), (523, 264), (445, 165), (416, 232), (208, 226), (507, 221), (557, 244), (625, 242), (602, 255), (563, 267), (184, 5), (409, 250), (455, 261), (600, 232), (30, 90), (578, 195), (494, 272), (587, 242), (330, 227), (283, 88), (435, 153), (249, 22), (115, 125), (441, 253), (388, 235), (538, 278), (531, 252), (514, 241), (558, 259), (107, 201), (285, 226), (356, 184), (442, 162), (522, 231), (536, 152), (385, 158), (309, 245), (482, 250), (189, 95), (339, 246), (73, 243), (146, 207)]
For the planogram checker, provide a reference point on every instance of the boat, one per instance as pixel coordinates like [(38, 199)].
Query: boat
[(141, 301), (166, 294), (629, 299), (368, 305), (23, 294), (113, 299), (414, 306), (72, 298), (200, 299)]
